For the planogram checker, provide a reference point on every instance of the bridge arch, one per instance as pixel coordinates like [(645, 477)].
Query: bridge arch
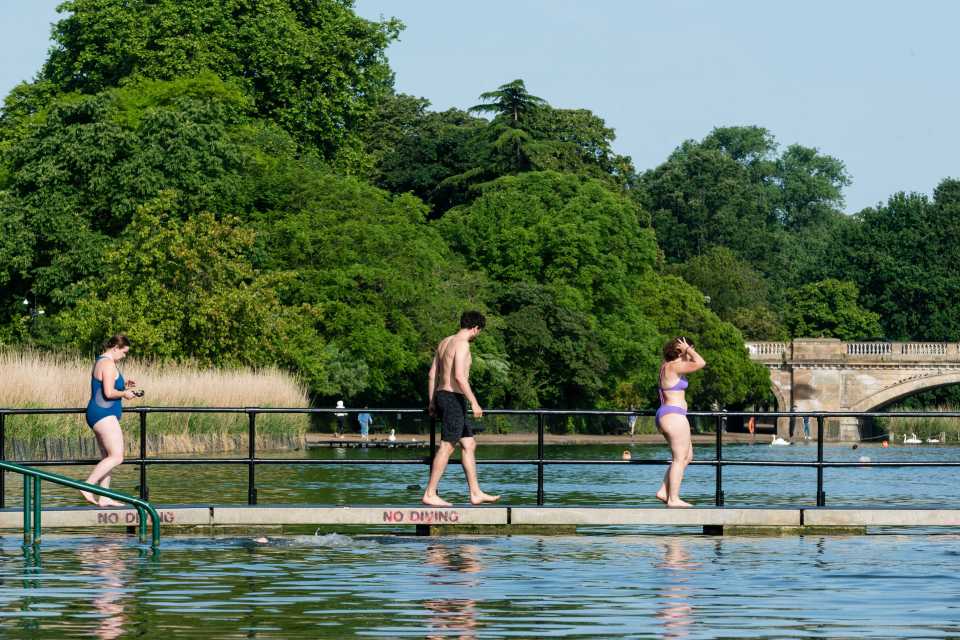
[(780, 396), (906, 388)]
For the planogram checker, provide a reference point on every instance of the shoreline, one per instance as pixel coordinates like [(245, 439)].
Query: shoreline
[(556, 439)]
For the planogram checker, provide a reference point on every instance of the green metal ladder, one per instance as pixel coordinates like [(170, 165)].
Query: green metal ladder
[(32, 508)]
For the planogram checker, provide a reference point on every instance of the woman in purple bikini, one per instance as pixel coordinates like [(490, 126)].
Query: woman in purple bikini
[(679, 358)]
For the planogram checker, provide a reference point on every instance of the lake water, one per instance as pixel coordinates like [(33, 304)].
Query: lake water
[(611, 583), (627, 485)]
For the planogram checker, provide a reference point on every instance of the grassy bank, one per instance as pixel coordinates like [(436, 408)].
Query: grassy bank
[(33, 380)]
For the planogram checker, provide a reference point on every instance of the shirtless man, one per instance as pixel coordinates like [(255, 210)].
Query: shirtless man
[(449, 391)]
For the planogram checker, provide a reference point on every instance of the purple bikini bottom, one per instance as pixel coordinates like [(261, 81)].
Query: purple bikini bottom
[(669, 408)]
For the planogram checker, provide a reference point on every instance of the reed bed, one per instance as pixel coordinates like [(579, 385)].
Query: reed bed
[(33, 379), (923, 427)]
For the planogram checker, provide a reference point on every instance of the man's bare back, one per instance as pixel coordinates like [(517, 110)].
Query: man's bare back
[(452, 351)]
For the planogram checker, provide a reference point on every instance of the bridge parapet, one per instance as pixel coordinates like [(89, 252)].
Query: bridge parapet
[(911, 351), (822, 349), (768, 351)]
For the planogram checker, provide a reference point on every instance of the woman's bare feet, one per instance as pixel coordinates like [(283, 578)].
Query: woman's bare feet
[(108, 502), (89, 497), (481, 498), (678, 504), (435, 501), (662, 495)]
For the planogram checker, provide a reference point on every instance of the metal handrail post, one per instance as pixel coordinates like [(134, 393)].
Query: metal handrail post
[(144, 490), (252, 464), (540, 496), (37, 510), (721, 427), (821, 496), (3, 456), (36, 476), (141, 524), (27, 509)]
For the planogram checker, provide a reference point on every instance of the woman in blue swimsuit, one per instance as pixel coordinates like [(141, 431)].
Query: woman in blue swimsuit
[(679, 358), (107, 390)]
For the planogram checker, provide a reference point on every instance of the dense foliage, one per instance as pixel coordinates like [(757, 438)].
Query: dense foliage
[(237, 183)]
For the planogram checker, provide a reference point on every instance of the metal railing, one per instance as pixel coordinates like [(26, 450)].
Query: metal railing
[(33, 508), (251, 461)]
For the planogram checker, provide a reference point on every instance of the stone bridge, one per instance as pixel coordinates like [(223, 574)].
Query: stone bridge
[(825, 374)]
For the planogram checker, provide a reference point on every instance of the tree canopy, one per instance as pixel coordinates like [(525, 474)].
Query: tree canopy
[(238, 183)]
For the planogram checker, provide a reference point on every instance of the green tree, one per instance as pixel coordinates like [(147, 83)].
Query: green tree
[(811, 186), (314, 68), (903, 258), (439, 145), (558, 359), (728, 281), (186, 290), (577, 260), (732, 189), (75, 181), (510, 102), (388, 286), (829, 309)]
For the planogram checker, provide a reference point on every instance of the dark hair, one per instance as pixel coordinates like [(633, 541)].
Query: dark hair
[(471, 319), (120, 340), (671, 350)]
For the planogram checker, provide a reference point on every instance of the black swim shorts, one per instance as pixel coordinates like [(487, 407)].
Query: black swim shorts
[(452, 411)]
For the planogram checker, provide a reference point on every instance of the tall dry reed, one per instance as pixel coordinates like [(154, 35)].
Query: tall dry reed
[(31, 379), (923, 427)]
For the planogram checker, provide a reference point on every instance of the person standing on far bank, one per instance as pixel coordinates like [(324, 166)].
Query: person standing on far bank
[(679, 358), (107, 390), (365, 420), (341, 420), (448, 388)]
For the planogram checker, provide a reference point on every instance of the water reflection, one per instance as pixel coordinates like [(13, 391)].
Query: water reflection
[(675, 609), (107, 564), (453, 617)]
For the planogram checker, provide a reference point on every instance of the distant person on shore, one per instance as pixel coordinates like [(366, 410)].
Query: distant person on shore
[(448, 388), (679, 358), (365, 419), (341, 420), (632, 421), (806, 427), (107, 390)]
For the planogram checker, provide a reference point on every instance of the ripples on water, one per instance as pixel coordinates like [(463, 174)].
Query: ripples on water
[(608, 585), (486, 587), (620, 485)]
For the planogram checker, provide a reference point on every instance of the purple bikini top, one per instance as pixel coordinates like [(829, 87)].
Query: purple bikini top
[(680, 386)]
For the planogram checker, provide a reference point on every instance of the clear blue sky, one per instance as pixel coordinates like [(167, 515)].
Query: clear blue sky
[(872, 82)]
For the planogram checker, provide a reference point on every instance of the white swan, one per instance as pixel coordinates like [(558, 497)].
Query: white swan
[(933, 440), (778, 442), (913, 439), (393, 435)]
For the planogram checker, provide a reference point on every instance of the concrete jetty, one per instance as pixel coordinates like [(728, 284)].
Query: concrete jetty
[(491, 519)]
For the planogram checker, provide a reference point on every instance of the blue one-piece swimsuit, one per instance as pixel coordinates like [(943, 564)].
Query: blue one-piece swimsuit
[(100, 406)]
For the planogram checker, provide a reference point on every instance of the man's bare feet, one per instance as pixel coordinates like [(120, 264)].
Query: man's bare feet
[(108, 502), (662, 495), (678, 504), (482, 498), (435, 501), (89, 498)]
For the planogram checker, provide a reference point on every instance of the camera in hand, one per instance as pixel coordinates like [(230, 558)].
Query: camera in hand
[(138, 392)]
